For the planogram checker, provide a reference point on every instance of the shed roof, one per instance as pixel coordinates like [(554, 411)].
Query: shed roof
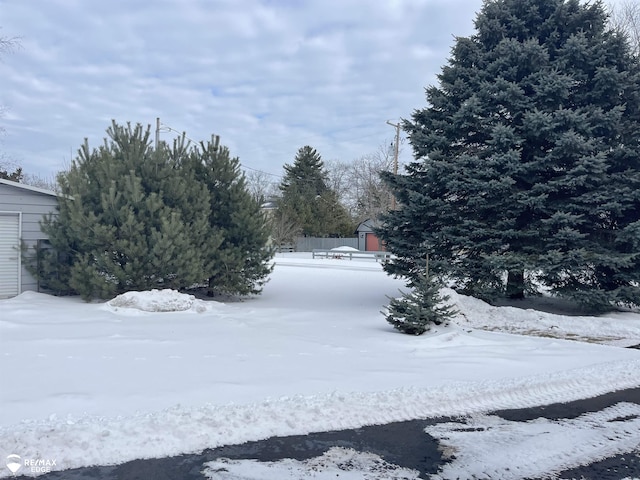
[(370, 223), (28, 187)]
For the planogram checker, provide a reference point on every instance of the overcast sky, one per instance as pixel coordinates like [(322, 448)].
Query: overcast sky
[(268, 76)]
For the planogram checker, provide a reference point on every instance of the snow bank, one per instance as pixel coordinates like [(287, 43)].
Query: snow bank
[(344, 249), (166, 300), (618, 329)]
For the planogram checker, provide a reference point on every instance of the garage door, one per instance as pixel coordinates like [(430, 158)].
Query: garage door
[(9, 254)]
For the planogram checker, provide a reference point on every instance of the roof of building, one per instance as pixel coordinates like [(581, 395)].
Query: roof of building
[(28, 187), (369, 222)]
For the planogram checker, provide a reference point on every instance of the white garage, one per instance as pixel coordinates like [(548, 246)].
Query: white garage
[(9, 254), (21, 210)]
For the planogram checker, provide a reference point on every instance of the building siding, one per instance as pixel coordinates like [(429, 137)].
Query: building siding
[(33, 205), (367, 240)]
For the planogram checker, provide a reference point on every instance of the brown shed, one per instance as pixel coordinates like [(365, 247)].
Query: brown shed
[(367, 240)]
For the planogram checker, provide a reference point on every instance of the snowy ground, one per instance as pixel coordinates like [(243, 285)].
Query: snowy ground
[(87, 384)]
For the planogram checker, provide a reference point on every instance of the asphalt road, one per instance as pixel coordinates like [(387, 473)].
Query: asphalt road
[(403, 443)]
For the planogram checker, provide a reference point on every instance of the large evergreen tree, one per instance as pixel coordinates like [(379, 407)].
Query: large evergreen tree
[(527, 159), (134, 218), (308, 201)]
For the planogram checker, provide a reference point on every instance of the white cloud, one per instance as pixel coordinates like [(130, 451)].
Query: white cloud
[(267, 76)]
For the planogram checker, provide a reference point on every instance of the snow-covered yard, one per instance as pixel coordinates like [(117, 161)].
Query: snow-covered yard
[(102, 383)]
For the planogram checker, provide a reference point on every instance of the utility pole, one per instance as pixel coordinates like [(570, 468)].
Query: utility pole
[(395, 157), (155, 153), (157, 133), (215, 141)]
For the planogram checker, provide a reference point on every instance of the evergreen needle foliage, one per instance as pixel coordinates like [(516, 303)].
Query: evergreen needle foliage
[(134, 218), (527, 160), (308, 202), (417, 310)]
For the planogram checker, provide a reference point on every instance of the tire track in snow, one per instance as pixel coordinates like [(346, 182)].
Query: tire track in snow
[(487, 446)]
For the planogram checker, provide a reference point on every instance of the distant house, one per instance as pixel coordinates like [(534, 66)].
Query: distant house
[(367, 240), (21, 210)]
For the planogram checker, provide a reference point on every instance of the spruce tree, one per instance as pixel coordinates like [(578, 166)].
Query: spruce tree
[(417, 310), (527, 159), (308, 201)]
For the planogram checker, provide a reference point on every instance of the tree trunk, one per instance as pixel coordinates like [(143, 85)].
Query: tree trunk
[(515, 284)]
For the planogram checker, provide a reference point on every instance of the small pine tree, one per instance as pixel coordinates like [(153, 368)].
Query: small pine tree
[(416, 311)]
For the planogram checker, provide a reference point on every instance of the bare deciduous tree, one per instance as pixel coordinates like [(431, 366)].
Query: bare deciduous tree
[(284, 229), (261, 185), (372, 195), (339, 180), (359, 186), (9, 169), (7, 45), (48, 183), (625, 17)]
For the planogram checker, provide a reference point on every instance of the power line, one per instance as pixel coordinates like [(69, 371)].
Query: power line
[(166, 128), (160, 127)]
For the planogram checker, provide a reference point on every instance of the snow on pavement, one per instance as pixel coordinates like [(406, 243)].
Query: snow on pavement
[(538, 448), (104, 383), (535, 449), (342, 463)]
